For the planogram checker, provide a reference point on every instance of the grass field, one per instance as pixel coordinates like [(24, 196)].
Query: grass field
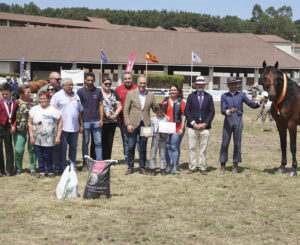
[(257, 206)]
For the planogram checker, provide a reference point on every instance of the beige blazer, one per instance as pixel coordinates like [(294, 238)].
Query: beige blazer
[(133, 109)]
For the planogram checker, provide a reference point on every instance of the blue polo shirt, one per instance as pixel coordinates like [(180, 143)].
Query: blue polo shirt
[(90, 99)]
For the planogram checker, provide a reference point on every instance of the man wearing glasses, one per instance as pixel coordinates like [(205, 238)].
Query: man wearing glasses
[(54, 78)]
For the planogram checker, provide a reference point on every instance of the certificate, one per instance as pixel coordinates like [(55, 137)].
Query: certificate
[(146, 131), (167, 127)]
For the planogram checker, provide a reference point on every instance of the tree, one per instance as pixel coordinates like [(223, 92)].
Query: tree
[(31, 9)]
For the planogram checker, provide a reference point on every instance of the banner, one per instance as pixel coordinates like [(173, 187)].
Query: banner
[(21, 67), (76, 75), (130, 62)]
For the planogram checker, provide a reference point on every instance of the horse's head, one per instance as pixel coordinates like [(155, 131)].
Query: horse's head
[(269, 79)]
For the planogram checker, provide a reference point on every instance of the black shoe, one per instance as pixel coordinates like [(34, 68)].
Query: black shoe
[(191, 171), (2, 174), (11, 174), (163, 172), (18, 172)]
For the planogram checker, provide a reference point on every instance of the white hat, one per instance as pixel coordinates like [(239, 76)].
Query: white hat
[(8, 77), (200, 80), (265, 94)]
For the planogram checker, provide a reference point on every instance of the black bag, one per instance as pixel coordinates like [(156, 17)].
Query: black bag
[(98, 183)]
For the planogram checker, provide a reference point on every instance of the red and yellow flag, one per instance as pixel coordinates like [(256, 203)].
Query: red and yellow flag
[(151, 57)]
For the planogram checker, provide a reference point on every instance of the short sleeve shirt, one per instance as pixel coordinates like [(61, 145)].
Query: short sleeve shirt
[(69, 108), (44, 124), (90, 99)]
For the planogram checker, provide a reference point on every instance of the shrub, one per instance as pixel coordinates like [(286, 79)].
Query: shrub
[(162, 81)]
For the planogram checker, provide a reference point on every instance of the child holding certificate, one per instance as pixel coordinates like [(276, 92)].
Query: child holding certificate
[(158, 141)]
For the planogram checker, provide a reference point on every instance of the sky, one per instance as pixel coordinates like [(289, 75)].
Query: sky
[(239, 8)]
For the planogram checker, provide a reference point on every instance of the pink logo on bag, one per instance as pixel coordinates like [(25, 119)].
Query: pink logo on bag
[(99, 167)]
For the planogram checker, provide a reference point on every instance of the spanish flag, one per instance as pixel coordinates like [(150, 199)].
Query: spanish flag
[(151, 57)]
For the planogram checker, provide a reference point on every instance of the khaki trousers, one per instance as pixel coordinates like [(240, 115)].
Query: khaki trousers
[(198, 141)]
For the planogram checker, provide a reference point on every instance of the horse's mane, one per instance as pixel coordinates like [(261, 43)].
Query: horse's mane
[(291, 93)]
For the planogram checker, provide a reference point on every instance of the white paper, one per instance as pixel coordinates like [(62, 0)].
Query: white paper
[(167, 127), (146, 131)]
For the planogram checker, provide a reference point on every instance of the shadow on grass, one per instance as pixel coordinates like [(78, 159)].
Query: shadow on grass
[(185, 166), (275, 170)]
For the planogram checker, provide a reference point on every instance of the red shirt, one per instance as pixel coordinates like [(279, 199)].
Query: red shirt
[(4, 115), (170, 113), (122, 92)]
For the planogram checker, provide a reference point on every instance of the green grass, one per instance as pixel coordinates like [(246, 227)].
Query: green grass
[(257, 206)]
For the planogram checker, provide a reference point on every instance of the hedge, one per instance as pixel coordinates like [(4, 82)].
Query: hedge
[(162, 81), (9, 74)]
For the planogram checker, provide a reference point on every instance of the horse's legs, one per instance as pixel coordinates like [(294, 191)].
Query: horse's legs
[(293, 146), (282, 134)]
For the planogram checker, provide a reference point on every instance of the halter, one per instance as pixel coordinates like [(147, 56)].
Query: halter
[(282, 95)]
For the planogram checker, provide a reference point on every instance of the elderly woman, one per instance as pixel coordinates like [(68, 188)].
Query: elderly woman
[(112, 108), (45, 126), (21, 134), (174, 108)]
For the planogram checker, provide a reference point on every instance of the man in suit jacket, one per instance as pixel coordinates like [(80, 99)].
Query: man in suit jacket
[(232, 108), (136, 115), (8, 108), (199, 112)]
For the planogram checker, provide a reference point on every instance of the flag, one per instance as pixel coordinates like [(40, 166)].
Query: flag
[(103, 57), (130, 62), (196, 58), (21, 67), (151, 57)]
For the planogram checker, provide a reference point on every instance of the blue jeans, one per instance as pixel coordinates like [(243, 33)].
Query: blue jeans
[(71, 139), (44, 156), (173, 148), (97, 133), (124, 135), (132, 141)]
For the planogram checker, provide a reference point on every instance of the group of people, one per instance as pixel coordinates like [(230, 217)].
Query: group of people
[(52, 122)]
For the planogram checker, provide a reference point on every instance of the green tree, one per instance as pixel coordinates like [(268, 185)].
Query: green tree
[(31, 9)]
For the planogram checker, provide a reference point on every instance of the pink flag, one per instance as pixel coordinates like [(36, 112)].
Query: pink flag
[(130, 62)]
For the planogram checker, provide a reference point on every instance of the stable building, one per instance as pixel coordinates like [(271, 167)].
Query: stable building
[(48, 46)]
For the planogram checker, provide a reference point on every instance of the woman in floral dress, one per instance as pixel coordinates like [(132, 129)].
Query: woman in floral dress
[(21, 135)]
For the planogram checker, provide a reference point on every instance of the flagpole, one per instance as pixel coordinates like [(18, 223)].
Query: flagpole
[(146, 68), (100, 73), (192, 72)]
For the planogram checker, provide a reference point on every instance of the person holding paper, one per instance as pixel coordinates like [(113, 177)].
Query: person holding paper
[(158, 141), (174, 107), (137, 114), (199, 112)]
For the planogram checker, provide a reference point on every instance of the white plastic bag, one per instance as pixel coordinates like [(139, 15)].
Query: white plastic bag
[(68, 184)]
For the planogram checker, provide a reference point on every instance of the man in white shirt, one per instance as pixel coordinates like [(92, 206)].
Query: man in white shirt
[(68, 103)]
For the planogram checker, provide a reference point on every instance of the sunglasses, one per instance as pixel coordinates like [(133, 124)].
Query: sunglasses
[(50, 89), (107, 84), (57, 79)]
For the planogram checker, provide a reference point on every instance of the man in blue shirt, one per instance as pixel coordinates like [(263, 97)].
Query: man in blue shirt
[(91, 99), (14, 87), (232, 108)]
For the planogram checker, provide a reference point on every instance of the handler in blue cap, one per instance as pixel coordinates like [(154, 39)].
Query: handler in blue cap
[(232, 108)]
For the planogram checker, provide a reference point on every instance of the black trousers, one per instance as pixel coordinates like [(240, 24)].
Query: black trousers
[(108, 133), (9, 152)]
